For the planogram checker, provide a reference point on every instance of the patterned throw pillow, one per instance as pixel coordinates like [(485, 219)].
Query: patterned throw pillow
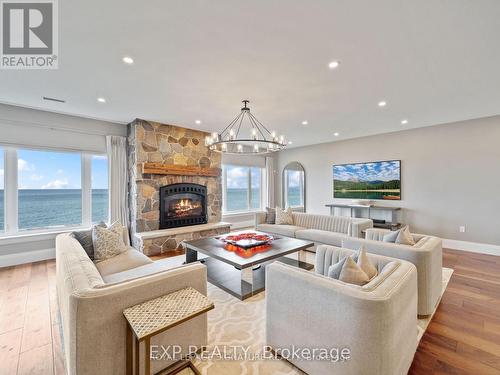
[(284, 217), (108, 242), (85, 239), (270, 215), (351, 273)]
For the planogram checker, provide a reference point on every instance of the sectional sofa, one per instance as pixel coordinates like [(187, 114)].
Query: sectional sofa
[(92, 298), (321, 229)]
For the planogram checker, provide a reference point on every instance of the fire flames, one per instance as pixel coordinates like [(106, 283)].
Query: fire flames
[(183, 207)]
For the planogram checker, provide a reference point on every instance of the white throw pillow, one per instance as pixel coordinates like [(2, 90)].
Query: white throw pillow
[(405, 237), (351, 273), (365, 264), (108, 242), (284, 217)]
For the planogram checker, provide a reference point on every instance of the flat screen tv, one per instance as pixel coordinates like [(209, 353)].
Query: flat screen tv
[(373, 180)]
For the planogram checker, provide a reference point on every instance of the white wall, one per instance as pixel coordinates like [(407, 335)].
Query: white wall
[(450, 175), (40, 129)]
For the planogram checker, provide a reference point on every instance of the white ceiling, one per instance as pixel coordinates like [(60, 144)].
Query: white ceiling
[(433, 61)]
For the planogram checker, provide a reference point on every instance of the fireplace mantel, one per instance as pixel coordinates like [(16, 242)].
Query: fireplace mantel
[(179, 170)]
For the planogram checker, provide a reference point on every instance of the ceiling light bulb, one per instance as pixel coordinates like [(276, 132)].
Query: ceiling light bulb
[(254, 133), (334, 64), (224, 147), (240, 148), (336, 134), (290, 142), (198, 122), (256, 148), (101, 100), (382, 103), (404, 122), (128, 60), (304, 122), (215, 136)]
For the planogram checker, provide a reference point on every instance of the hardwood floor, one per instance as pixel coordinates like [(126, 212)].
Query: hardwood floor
[(462, 338)]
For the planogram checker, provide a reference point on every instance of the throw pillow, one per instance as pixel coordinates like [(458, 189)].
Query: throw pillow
[(270, 215), (405, 237), (351, 273), (108, 242), (391, 237), (334, 269), (85, 239), (284, 217), (365, 264)]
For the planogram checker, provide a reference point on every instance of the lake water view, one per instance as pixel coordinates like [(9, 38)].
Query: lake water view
[(42, 208)]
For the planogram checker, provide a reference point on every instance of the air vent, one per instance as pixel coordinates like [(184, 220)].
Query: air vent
[(54, 99)]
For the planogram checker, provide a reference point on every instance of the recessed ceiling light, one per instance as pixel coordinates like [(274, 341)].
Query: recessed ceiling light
[(382, 103), (128, 60), (334, 64), (404, 122), (101, 100), (305, 122), (336, 134), (198, 122), (290, 142)]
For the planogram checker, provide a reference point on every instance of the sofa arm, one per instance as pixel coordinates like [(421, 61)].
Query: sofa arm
[(306, 310), (359, 226), (96, 315), (260, 218)]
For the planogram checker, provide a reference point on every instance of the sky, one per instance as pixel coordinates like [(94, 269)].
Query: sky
[(55, 170), (237, 177), (381, 171)]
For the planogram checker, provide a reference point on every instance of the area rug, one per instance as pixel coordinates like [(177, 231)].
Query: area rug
[(235, 323)]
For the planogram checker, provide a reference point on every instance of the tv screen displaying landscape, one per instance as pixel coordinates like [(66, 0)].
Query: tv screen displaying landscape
[(374, 180)]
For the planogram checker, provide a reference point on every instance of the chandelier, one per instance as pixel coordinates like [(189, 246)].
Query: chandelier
[(249, 138)]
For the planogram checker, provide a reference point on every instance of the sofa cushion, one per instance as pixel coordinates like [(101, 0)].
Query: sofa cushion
[(144, 270), (270, 215), (365, 264), (391, 236), (85, 239), (122, 262), (321, 236), (108, 242), (284, 230), (338, 224), (335, 269), (405, 237)]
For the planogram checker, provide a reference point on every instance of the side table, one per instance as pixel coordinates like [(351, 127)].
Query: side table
[(150, 318)]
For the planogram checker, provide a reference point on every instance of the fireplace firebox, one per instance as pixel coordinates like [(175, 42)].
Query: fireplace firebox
[(182, 204)]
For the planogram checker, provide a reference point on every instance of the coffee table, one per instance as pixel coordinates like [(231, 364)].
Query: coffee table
[(237, 272)]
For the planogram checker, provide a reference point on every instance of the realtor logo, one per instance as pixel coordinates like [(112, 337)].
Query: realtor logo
[(29, 34)]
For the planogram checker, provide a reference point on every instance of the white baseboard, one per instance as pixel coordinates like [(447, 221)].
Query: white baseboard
[(26, 257), (474, 247)]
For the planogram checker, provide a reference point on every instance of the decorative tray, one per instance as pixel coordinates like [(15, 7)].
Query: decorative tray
[(247, 240)]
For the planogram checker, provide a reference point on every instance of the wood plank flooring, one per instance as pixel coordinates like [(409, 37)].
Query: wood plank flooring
[(462, 338)]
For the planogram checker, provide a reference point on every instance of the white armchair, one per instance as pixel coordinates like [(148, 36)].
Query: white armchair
[(377, 322), (426, 255)]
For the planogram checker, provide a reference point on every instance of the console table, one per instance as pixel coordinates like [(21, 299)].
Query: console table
[(393, 224)]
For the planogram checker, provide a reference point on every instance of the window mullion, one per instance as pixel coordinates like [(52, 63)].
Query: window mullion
[(86, 190), (224, 189), (10, 191), (249, 203)]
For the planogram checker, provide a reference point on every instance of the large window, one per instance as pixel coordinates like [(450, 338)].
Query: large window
[(54, 189), (242, 188), (49, 189), (100, 194), (2, 195)]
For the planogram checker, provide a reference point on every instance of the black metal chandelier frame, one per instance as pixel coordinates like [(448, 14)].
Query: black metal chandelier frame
[(261, 140)]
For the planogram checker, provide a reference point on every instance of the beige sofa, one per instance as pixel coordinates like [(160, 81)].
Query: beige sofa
[(92, 298), (426, 255), (377, 322), (321, 229)]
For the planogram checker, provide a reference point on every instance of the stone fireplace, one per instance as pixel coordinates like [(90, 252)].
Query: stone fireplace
[(182, 205), (174, 200)]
